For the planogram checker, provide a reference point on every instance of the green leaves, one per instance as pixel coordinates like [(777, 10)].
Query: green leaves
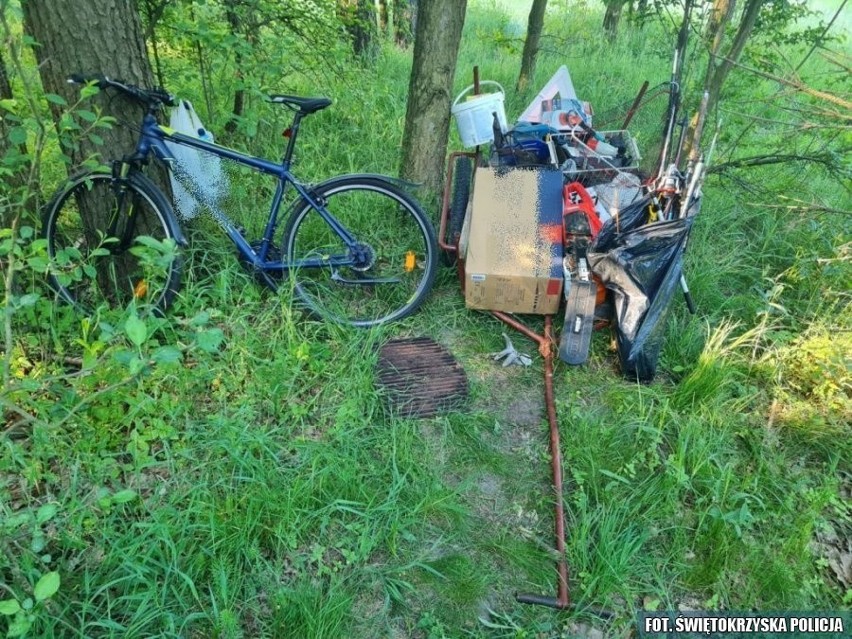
[(124, 496), (56, 99), (9, 607), (46, 513), (136, 330), (47, 586), (18, 135), (209, 340)]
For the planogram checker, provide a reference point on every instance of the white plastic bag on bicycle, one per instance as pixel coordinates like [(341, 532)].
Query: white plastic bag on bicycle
[(197, 177)]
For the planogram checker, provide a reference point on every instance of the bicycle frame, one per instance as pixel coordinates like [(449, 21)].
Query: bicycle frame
[(153, 138)]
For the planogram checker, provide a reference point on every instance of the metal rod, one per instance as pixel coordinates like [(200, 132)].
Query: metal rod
[(562, 597), (545, 347), (511, 321), (562, 600), (690, 303), (635, 105)]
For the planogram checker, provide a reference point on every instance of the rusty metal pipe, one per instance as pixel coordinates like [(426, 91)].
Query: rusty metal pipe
[(635, 106), (545, 347), (518, 326), (562, 599)]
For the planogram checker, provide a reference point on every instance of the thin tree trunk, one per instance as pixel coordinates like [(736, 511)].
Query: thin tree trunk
[(239, 93), (612, 17), (359, 19), (153, 13), (382, 16), (528, 58), (6, 94), (427, 118), (717, 72), (404, 20)]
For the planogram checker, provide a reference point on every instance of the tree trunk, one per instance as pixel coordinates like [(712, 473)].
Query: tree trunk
[(612, 17), (534, 26), (153, 14), (359, 19), (20, 168), (6, 94), (92, 36), (719, 67), (404, 20), (382, 16), (239, 94), (427, 118)]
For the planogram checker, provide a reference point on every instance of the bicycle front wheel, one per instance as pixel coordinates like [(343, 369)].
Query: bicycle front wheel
[(110, 242), (384, 275)]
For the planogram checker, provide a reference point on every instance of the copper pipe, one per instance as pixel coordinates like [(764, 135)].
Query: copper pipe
[(545, 347), (511, 321), (562, 599), (546, 344), (562, 596)]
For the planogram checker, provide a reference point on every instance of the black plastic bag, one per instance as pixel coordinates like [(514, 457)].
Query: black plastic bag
[(641, 264)]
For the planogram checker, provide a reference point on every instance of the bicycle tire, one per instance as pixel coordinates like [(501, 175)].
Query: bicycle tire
[(397, 238), (94, 266), (462, 176)]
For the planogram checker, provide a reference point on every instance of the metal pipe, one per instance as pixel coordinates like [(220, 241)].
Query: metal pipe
[(562, 597), (562, 600), (511, 321), (545, 347), (635, 105)]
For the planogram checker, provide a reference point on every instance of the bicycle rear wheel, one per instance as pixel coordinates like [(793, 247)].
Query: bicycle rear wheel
[(394, 261), (110, 242)]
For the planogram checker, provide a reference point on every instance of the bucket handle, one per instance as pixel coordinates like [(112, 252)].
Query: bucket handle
[(461, 95)]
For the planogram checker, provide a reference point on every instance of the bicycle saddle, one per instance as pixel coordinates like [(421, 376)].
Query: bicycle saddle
[(305, 106)]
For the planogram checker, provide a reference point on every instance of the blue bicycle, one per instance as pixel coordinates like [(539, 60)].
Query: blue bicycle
[(357, 248)]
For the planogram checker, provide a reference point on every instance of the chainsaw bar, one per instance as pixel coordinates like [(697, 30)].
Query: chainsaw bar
[(576, 339)]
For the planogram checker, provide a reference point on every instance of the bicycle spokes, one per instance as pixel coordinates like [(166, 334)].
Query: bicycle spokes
[(109, 246), (387, 261)]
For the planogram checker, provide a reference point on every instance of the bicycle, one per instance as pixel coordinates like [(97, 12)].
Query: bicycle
[(358, 248)]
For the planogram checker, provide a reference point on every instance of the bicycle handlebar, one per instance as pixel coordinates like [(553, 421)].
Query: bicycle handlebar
[(149, 97)]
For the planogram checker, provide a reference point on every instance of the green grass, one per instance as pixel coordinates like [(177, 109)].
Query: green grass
[(272, 495)]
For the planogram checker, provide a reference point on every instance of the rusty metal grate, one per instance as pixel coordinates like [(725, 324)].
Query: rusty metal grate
[(420, 377)]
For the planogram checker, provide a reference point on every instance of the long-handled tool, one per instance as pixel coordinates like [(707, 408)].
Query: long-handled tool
[(562, 600)]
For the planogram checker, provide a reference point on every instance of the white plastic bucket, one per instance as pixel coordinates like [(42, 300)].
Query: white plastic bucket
[(475, 117)]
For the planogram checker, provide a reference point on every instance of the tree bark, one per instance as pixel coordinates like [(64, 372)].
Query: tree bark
[(528, 58), (719, 66), (91, 36), (6, 94), (382, 16), (427, 117), (359, 19), (18, 177), (234, 23), (612, 16), (404, 20)]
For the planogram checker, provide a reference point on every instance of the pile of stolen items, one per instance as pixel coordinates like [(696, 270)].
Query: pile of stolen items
[(556, 213)]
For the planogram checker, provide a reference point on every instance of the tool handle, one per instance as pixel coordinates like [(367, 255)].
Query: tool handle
[(541, 600), (690, 303)]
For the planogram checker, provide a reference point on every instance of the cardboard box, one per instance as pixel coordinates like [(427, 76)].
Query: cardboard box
[(513, 261)]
